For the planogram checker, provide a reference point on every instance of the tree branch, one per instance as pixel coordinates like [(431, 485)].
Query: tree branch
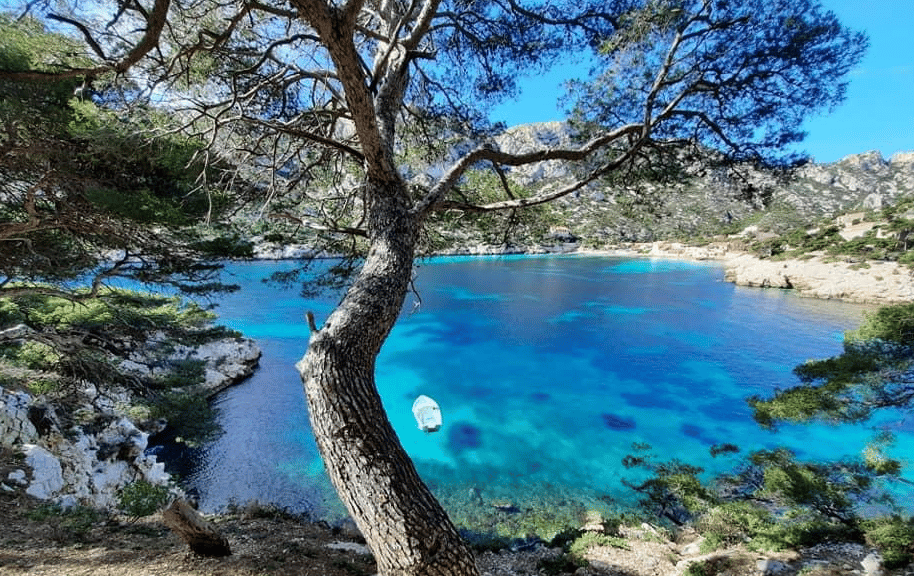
[(436, 195)]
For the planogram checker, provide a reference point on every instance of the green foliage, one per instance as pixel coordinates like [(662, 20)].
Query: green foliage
[(894, 536), (189, 413), (873, 372), (828, 489), (232, 246), (42, 386), (183, 373), (673, 489), (480, 187), (141, 498), (732, 522), (875, 455), (561, 564), (580, 545), (111, 309), (750, 112), (25, 45), (68, 525), (139, 205), (888, 324), (35, 356), (774, 501), (697, 569)]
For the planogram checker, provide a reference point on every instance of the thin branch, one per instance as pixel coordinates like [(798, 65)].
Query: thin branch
[(87, 35), (487, 153)]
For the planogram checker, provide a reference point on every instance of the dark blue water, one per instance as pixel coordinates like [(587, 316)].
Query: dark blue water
[(547, 370)]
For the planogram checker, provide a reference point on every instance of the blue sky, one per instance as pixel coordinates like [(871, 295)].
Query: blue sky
[(877, 115)]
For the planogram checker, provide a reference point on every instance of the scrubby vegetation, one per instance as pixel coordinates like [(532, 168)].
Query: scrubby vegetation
[(887, 237), (141, 499)]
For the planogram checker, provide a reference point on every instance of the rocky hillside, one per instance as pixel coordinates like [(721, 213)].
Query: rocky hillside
[(699, 204), (708, 202)]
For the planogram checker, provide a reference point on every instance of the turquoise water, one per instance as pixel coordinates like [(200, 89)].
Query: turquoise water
[(547, 370)]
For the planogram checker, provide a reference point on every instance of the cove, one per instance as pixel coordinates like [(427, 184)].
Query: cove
[(547, 370)]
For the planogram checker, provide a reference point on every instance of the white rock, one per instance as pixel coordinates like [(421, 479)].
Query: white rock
[(18, 477), (15, 426), (873, 202), (877, 282), (14, 332), (227, 361), (47, 474), (872, 564), (349, 547), (902, 158), (771, 566)]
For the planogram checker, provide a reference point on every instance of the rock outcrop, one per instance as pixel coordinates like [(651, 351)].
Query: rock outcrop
[(705, 199), (88, 454), (75, 463), (870, 282)]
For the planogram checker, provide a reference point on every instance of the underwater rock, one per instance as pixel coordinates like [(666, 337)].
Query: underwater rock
[(696, 432), (615, 422), (462, 436)]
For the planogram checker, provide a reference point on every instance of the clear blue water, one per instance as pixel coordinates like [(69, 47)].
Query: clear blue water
[(547, 370)]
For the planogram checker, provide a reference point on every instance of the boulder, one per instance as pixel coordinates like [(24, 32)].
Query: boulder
[(872, 564), (15, 426), (227, 361), (47, 473)]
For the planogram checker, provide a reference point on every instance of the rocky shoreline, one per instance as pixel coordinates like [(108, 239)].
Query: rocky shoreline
[(86, 453), (816, 275)]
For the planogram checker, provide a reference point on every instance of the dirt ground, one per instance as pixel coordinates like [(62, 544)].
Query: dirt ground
[(261, 544), (40, 541)]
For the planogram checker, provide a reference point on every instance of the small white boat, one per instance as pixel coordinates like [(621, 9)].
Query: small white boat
[(427, 413)]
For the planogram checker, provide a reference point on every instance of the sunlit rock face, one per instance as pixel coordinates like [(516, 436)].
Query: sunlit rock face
[(701, 200), (88, 457), (86, 464), (877, 283)]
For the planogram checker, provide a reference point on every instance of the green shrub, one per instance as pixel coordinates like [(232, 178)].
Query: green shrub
[(141, 499), (561, 564), (696, 569), (182, 373), (894, 536), (275, 237), (589, 540), (189, 414), (67, 524), (730, 523), (42, 386), (36, 356)]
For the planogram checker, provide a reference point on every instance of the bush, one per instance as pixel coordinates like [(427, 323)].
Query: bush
[(67, 524), (696, 569), (188, 372), (36, 356), (589, 540), (141, 499), (730, 523), (189, 414), (561, 564), (894, 537)]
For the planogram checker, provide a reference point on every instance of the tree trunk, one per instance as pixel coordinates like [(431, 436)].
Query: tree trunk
[(403, 524), (200, 535)]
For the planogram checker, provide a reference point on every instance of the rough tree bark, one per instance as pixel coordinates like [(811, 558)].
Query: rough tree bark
[(201, 536), (403, 524)]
